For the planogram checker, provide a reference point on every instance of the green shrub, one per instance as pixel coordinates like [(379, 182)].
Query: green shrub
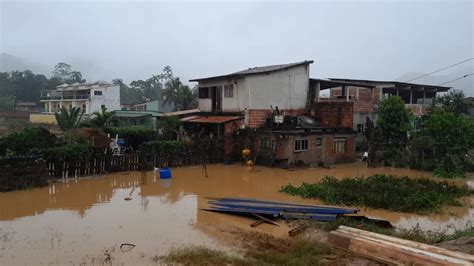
[(68, 152), (133, 135), (28, 140), (382, 191), (166, 146)]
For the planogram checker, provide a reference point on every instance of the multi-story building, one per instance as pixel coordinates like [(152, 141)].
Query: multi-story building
[(255, 91), (90, 97)]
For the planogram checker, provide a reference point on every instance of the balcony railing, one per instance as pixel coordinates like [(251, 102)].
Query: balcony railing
[(66, 97)]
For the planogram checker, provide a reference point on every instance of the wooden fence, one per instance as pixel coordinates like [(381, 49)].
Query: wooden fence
[(22, 172), (101, 161)]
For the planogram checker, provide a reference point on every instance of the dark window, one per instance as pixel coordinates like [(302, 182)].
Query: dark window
[(229, 91), (301, 145), (267, 144), (360, 128), (102, 106), (340, 145), (203, 93), (98, 93)]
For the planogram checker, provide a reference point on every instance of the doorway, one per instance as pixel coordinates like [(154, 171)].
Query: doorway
[(216, 96)]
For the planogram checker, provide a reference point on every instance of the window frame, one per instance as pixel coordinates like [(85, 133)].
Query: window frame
[(203, 93), (337, 147), (98, 93), (301, 145), (360, 128), (229, 91)]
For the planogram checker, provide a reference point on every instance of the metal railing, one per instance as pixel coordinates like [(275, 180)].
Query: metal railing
[(66, 97)]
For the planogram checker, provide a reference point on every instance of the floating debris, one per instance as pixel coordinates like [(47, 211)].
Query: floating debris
[(274, 209)]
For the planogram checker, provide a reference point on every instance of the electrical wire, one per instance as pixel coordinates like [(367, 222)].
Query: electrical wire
[(465, 76), (441, 69)]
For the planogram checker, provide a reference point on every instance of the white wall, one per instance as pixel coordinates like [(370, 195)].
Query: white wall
[(110, 98), (286, 89)]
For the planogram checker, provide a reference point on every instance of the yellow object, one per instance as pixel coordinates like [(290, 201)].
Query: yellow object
[(249, 162), (246, 152), (43, 119)]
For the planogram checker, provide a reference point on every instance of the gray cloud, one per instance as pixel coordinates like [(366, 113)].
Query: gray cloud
[(132, 40)]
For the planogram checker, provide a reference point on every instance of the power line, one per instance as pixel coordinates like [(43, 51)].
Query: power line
[(441, 69), (465, 76)]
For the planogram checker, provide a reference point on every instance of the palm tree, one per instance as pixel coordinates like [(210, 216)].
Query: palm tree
[(69, 119), (178, 93), (101, 119)]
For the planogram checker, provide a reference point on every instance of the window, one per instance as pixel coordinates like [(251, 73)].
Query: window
[(203, 92), (360, 128), (97, 93), (301, 145), (267, 144), (319, 142), (102, 106), (340, 145), (229, 91)]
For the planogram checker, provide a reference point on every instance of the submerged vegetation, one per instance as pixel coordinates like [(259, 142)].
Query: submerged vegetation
[(382, 191), (441, 142)]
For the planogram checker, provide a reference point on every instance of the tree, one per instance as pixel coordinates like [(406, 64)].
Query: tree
[(373, 135), (127, 95), (453, 137), (64, 73), (394, 119), (101, 119), (454, 102), (69, 119), (179, 94)]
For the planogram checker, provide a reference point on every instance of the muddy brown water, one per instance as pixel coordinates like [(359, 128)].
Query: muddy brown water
[(86, 220)]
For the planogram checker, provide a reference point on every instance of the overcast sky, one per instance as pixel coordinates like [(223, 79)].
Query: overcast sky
[(390, 40)]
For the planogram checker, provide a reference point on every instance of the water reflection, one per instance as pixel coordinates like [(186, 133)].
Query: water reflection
[(92, 214)]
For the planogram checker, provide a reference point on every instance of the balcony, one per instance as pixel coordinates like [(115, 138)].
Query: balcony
[(65, 98)]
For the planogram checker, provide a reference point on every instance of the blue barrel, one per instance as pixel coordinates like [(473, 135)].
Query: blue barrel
[(165, 173)]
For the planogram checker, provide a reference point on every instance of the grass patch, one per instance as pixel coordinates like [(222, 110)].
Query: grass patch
[(264, 251), (383, 192), (199, 256)]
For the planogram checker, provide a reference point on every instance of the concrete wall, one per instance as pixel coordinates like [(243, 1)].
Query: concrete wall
[(110, 98), (286, 89), (43, 119)]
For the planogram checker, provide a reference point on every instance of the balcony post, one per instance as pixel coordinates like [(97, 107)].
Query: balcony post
[(411, 96), (424, 95)]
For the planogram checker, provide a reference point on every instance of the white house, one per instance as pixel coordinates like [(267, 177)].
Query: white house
[(88, 96), (252, 91)]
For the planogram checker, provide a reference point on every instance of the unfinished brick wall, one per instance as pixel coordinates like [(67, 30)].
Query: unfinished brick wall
[(363, 107), (331, 157), (258, 117), (324, 153), (334, 114)]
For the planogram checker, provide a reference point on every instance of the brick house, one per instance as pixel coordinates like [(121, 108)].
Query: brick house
[(259, 108), (298, 147)]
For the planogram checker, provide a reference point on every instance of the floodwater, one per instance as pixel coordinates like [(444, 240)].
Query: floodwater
[(86, 220)]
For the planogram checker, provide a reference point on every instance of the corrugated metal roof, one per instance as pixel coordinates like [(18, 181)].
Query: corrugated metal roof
[(214, 119), (392, 83), (183, 112), (259, 70)]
